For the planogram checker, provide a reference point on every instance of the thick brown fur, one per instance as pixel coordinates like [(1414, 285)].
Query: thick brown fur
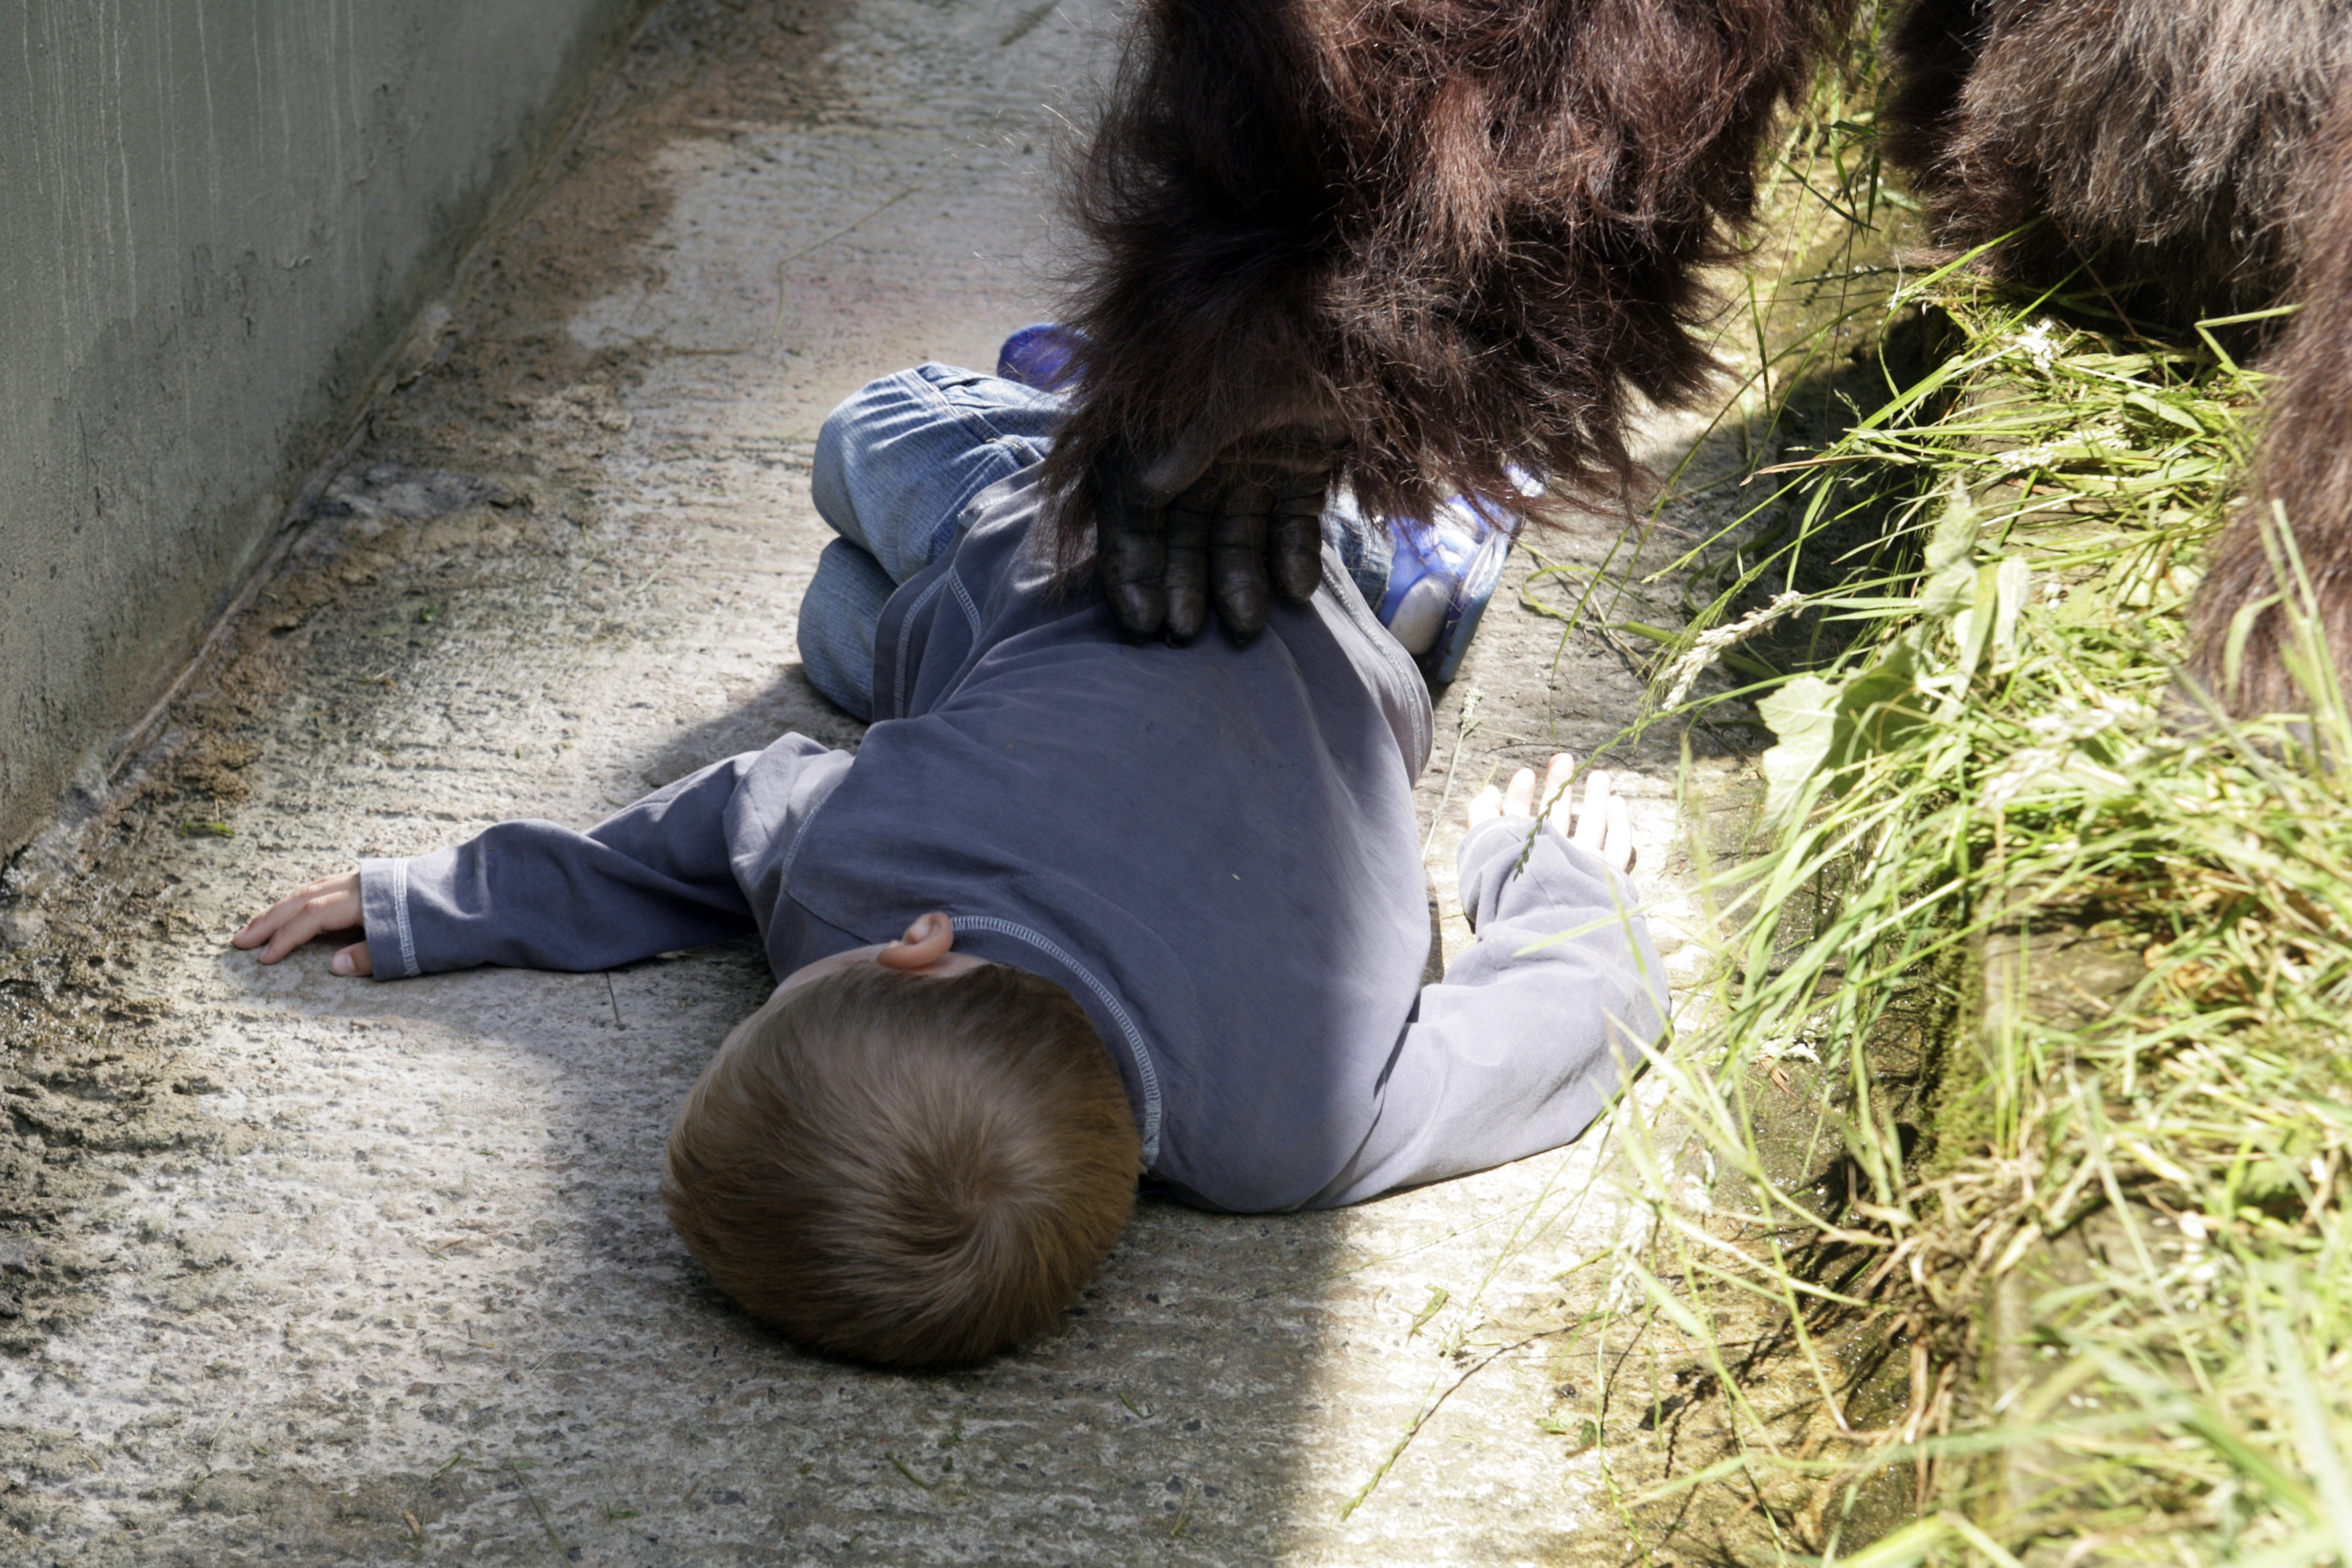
[(907, 1169), (1462, 233), (2183, 160), (2305, 468), (2154, 148)]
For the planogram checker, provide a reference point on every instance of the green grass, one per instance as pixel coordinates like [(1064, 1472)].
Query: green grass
[(2055, 960)]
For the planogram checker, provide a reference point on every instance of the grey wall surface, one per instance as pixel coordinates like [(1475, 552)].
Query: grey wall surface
[(217, 217)]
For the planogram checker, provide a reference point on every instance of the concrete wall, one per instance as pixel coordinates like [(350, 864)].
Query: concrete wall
[(217, 217)]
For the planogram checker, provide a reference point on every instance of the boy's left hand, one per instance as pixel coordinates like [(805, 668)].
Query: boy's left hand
[(1604, 827), (322, 907)]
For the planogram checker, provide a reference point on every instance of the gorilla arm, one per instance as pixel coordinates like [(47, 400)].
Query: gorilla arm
[(2243, 649), (1405, 245)]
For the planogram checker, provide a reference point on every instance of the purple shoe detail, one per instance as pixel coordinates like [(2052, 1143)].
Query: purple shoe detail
[(1044, 357)]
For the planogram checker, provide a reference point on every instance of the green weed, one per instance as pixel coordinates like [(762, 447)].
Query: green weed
[(2054, 960)]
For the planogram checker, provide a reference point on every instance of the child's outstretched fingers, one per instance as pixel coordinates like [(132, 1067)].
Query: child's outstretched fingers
[(1556, 792), (329, 905), (1592, 822), (1519, 800), (1617, 838)]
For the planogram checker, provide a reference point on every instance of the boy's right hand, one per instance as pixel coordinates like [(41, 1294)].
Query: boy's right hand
[(329, 905)]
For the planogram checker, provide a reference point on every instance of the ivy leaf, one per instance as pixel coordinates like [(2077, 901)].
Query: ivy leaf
[(1951, 574), (1804, 717), (1875, 711), (1824, 727)]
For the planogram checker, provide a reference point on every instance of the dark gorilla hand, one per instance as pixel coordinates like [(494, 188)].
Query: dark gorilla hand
[(1200, 524)]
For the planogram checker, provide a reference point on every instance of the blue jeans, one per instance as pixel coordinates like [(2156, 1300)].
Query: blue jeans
[(897, 464)]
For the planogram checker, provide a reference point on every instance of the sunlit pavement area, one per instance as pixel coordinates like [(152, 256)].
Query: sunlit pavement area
[(318, 1271)]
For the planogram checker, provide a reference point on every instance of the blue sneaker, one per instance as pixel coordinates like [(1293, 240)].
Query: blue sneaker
[(1441, 575), (1043, 356)]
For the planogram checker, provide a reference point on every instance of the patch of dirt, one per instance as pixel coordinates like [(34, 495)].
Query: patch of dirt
[(583, 227)]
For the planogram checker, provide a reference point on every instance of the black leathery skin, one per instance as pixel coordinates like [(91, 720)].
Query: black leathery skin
[(1188, 525), (1237, 567), (1131, 552), (1295, 544)]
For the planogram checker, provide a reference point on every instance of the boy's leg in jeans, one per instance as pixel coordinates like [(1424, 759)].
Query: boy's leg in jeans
[(897, 463), (839, 610), (1364, 546)]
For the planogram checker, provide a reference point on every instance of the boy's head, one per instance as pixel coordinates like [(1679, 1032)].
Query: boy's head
[(904, 1168)]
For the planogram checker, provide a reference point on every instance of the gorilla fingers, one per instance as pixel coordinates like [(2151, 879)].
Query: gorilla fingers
[(1201, 528)]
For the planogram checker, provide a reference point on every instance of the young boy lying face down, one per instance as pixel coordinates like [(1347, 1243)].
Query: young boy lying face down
[(1078, 909)]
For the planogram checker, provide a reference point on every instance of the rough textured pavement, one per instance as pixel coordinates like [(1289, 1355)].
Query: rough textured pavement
[(308, 1270)]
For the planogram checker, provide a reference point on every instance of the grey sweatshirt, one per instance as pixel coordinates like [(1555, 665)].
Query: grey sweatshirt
[(1212, 848)]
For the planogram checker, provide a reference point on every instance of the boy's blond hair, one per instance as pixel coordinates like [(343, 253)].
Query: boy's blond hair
[(908, 1169)]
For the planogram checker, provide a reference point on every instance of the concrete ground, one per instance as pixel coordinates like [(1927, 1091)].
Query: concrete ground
[(308, 1270)]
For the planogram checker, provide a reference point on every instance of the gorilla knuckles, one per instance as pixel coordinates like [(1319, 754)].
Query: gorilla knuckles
[(1230, 527)]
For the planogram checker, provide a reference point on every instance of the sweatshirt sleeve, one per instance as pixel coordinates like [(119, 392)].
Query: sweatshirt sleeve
[(1533, 1028), (669, 872)]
